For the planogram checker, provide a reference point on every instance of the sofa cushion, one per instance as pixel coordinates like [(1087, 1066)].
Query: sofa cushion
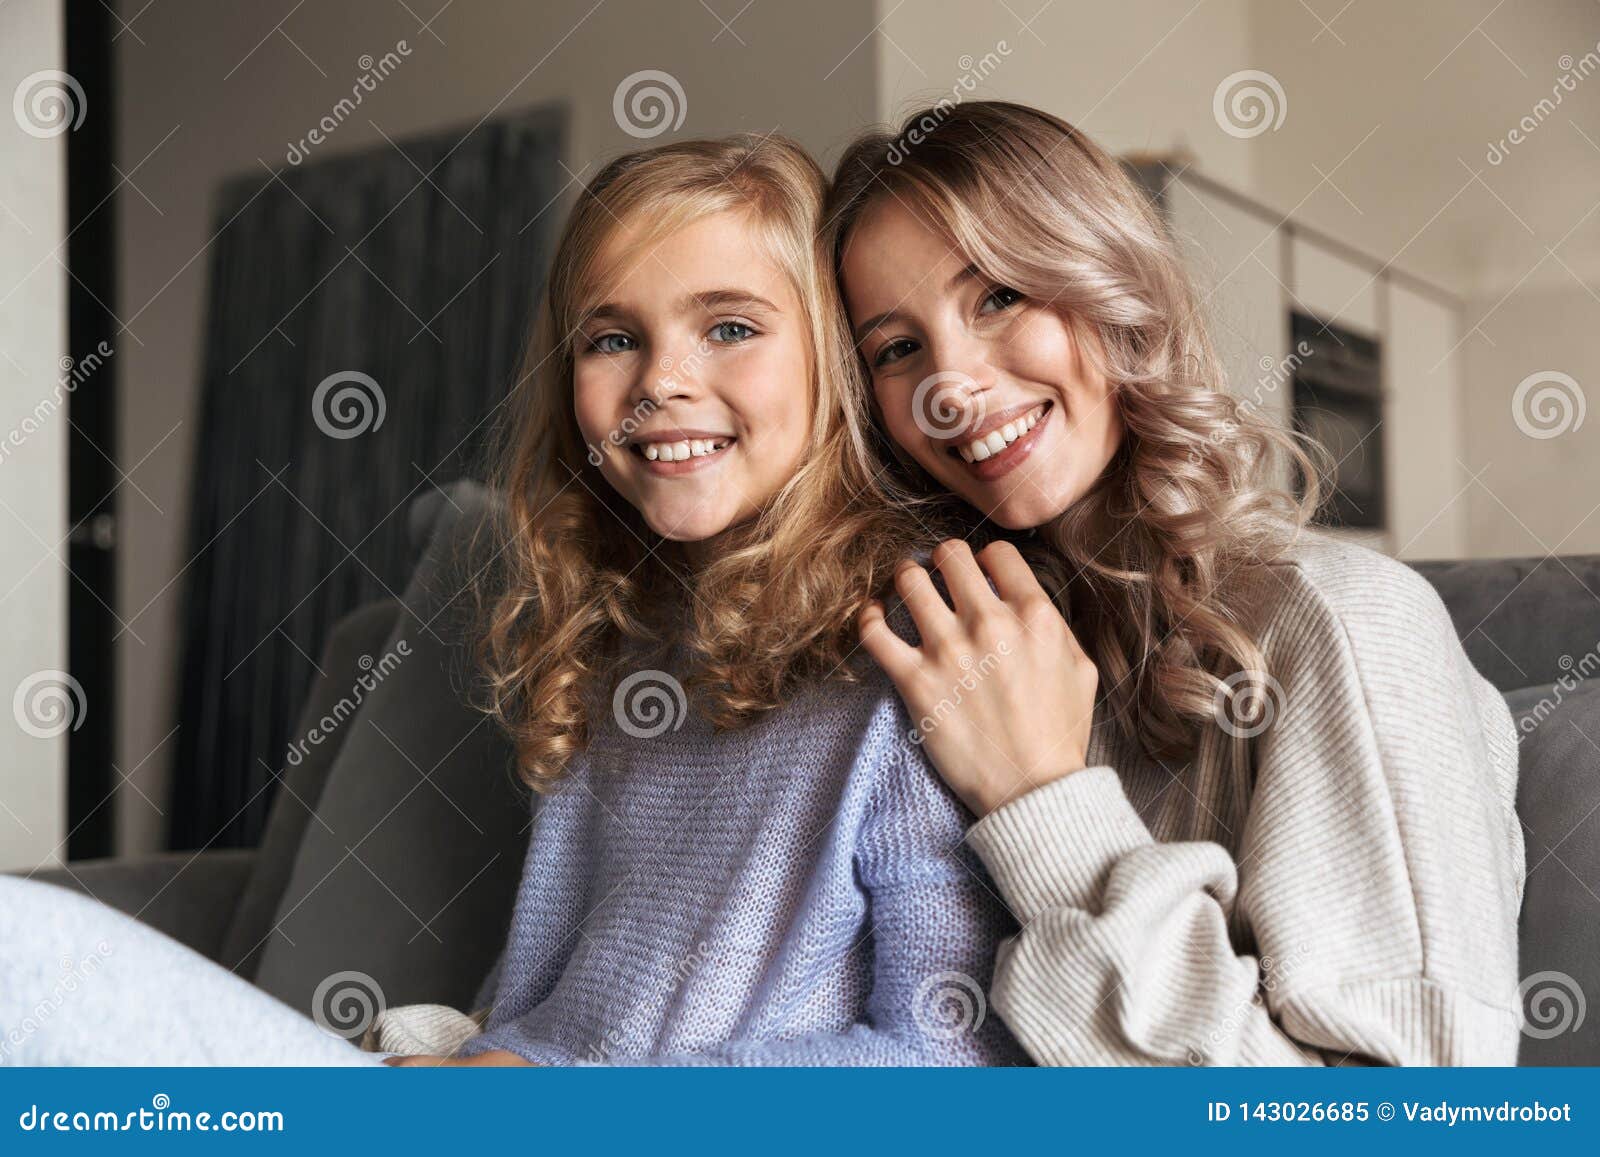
[(1518, 617), (313, 746), (410, 871), (1558, 801)]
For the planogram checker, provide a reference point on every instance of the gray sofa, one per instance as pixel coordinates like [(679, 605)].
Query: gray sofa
[(395, 843)]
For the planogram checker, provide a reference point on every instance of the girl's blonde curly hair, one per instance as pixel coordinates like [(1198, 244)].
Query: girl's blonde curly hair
[(580, 585), (1148, 565)]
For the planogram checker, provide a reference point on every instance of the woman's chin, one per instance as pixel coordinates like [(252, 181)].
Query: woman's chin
[(1014, 507)]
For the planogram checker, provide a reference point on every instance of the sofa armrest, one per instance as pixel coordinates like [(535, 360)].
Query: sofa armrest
[(187, 895)]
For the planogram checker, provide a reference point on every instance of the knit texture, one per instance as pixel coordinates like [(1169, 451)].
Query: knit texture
[(1352, 900), (796, 892)]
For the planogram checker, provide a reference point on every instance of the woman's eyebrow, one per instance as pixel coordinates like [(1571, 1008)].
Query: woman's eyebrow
[(969, 273)]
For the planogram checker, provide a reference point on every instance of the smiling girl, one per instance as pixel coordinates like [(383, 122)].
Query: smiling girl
[(739, 855), (1237, 779)]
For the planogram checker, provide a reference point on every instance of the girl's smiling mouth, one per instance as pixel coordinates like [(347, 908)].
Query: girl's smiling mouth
[(674, 452)]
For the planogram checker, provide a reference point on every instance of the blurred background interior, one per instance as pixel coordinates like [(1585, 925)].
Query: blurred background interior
[(264, 271)]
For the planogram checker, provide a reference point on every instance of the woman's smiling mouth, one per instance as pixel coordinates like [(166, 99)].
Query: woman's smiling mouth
[(1000, 444)]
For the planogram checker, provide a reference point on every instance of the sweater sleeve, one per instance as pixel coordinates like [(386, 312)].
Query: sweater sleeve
[(1376, 886)]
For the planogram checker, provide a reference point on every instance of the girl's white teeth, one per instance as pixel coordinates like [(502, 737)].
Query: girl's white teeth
[(997, 440), (682, 451)]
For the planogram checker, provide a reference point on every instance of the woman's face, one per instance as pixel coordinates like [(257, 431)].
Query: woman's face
[(986, 389), (692, 383)]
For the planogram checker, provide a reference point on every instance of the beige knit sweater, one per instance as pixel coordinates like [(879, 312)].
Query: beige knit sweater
[(1354, 903)]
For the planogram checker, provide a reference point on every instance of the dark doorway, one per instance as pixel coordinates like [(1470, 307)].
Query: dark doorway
[(92, 440)]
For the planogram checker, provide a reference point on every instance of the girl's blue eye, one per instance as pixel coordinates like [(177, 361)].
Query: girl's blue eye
[(732, 331), (1001, 297), (612, 343), (899, 348)]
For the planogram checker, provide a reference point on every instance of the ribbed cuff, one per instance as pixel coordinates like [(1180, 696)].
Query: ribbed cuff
[(1053, 846)]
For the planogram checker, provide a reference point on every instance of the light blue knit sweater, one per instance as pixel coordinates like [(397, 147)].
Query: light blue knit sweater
[(793, 893)]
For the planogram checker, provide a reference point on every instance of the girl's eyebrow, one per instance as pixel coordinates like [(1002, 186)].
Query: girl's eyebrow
[(704, 300), (712, 300)]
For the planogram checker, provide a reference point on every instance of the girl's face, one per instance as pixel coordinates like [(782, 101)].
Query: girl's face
[(986, 389), (693, 378)]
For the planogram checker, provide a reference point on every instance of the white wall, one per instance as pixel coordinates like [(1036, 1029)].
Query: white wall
[(1538, 463), (33, 452), (1138, 75)]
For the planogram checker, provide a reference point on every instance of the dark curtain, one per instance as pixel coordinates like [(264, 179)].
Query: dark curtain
[(356, 264)]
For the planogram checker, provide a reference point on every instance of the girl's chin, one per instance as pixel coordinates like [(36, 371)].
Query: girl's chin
[(687, 527)]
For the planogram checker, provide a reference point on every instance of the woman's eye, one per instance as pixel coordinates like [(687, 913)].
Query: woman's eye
[(731, 331), (894, 351), (612, 343), (999, 298)]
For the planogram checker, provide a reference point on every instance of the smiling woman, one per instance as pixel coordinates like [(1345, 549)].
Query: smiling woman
[(1239, 780)]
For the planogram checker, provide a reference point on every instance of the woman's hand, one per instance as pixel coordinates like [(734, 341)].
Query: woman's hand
[(489, 1057), (1000, 693)]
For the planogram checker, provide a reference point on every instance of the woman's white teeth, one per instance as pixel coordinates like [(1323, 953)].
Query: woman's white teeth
[(682, 451), (997, 440)]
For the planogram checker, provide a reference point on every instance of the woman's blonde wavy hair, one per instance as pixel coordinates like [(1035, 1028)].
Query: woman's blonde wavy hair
[(578, 576), (1148, 565)]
